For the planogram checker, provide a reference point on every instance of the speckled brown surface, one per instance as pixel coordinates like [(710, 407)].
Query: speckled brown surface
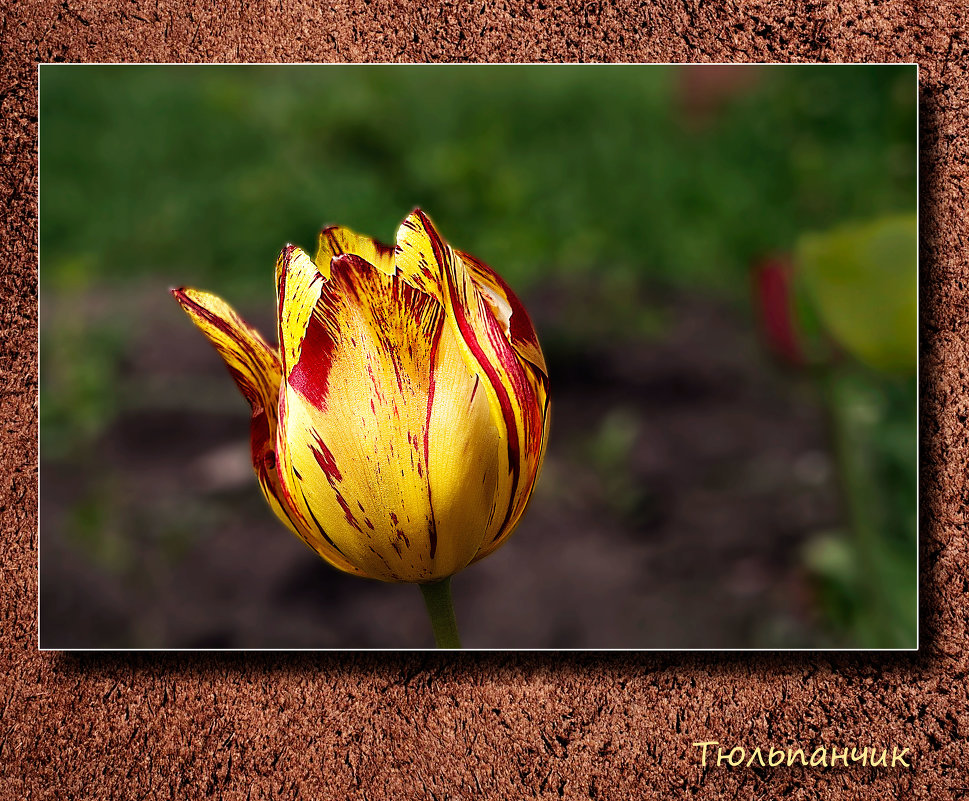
[(429, 726)]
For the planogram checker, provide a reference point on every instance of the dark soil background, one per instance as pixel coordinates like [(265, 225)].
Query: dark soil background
[(452, 726), (684, 475)]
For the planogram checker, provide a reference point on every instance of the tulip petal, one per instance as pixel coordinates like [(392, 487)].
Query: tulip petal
[(374, 412), (509, 309), (255, 367), (252, 363), (501, 351), (335, 240), (298, 286), (521, 334)]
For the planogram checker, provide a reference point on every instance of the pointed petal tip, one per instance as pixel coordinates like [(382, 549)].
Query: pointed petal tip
[(291, 251), (193, 301), (417, 217), (415, 223), (181, 294), (286, 257)]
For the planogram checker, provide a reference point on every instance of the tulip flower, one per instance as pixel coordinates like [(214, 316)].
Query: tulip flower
[(399, 427), (774, 300)]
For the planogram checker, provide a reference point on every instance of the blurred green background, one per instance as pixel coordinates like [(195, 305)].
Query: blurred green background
[(704, 249)]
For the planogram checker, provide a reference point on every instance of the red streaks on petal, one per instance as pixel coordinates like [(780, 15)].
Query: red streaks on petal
[(470, 338), (332, 472), (259, 439), (520, 325), (252, 384), (386, 251), (431, 387), (401, 535), (264, 460), (348, 512), (330, 234), (477, 380), (319, 526), (391, 353), (326, 461), (310, 376), (285, 258)]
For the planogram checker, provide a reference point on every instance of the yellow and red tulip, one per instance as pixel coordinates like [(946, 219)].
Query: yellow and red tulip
[(400, 426)]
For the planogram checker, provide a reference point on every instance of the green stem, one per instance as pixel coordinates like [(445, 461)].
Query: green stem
[(437, 598), (860, 495)]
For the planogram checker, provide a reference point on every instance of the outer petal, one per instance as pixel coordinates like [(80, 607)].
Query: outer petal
[(298, 286), (509, 309), (256, 369), (386, 440), (252, 363), (520, 331), (501, 351)]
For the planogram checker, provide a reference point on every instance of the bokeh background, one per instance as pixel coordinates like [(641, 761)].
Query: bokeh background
[(721, 264)]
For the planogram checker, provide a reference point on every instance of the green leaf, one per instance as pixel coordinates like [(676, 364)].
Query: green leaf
[(863, 281)]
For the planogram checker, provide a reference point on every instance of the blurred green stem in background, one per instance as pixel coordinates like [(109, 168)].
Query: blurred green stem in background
[(879, 614), (860, 281)]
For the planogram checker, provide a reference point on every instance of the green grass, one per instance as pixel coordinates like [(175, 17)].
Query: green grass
[(202, 174)]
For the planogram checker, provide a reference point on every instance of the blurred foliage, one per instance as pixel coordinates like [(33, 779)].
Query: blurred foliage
[(860, 283), (564, 175), (863, 281), (866, 575), (608, 451), (204, 173), (95, 527)]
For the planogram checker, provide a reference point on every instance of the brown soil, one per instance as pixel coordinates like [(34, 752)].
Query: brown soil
[(683, 476)]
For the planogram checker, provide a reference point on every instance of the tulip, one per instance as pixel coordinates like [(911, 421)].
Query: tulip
[(400, 426), (774, 300)]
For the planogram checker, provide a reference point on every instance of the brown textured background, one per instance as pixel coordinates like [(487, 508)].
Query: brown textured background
[(445, 726)]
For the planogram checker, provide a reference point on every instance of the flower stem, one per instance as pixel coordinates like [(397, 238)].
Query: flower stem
[(860, 494), (437, 598)]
